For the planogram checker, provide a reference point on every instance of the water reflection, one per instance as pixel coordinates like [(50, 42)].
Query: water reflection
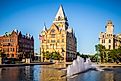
[(54, 73), (114, 75), (23, 73)]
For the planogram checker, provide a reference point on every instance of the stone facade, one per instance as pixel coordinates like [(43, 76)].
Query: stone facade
[(59, 37), (16, 45), (108, 38)]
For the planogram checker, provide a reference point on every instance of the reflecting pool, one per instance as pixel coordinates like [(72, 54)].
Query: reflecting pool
[(56, 72)]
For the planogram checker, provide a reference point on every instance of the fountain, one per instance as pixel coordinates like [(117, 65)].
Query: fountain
[(78, 66)]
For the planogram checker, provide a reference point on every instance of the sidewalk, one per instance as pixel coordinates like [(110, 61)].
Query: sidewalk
[(25, 64), (109, 64)]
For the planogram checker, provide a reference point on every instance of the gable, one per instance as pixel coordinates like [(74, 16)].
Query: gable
[(53, 29)]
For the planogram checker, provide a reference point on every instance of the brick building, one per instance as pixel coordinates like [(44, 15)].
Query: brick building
[(16, 45)]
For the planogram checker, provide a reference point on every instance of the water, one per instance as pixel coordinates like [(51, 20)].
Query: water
[(22, 73), (52, 73), (106, 75)]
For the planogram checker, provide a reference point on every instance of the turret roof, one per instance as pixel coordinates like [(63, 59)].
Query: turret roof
[(60, 12)]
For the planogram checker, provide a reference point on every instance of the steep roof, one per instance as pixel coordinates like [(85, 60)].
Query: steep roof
[(60, 12)]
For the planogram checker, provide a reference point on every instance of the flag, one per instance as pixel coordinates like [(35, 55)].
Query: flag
[(60, 28)]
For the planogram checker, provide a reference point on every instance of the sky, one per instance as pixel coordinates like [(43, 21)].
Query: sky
[(87, 17)]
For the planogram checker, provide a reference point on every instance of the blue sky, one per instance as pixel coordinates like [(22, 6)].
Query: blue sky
[(87, 17)]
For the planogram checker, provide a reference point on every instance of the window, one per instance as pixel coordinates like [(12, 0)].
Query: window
[(47, 47), (42, 46), (52, 46), (7, 55), (53, 35), (48, 41), (109, 41), (12, 55), (103, 41), (109, 46), (58, 40), (62, 35), (11, 40), (103, 36), (13, 49), (52, 41), (10, 49), (62, 46), (59, 18), (0, 44), (62, 40)]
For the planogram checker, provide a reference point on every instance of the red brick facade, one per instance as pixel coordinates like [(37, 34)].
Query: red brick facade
[(16, 45)]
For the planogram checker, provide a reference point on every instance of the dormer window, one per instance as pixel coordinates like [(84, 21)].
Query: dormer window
[(52, 31), (59, 18)]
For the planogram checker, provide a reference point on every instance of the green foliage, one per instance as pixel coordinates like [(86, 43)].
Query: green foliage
[(78, 54), (107, 55), (115, 55), (100, 48), (53, 55), (100, 51), (84, 55), (47, 55), (56, 56)]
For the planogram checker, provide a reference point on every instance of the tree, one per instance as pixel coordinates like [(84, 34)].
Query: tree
[(78, 54), (47, 55), (100, 51), (115, 55), (54, 55), (94, 57)]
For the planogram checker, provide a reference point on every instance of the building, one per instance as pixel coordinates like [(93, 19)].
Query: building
[(16, 45), (108, 38), (59, 37)]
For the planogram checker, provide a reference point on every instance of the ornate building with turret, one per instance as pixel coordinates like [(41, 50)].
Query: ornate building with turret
[(108, 38), (59, 37)]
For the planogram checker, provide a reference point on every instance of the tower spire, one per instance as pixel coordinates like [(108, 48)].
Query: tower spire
[(44, 28), (60, 12), (60, 16)]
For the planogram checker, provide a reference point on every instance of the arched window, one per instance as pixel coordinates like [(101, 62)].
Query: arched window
[(59, 18), (109, 41), (103, 36)]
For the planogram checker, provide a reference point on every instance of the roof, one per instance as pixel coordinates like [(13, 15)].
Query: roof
[(60, 13)]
